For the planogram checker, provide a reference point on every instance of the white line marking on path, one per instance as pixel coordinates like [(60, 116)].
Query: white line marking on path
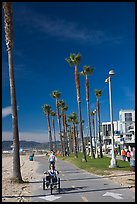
[(84, 199), (50, 198), (114, 195)]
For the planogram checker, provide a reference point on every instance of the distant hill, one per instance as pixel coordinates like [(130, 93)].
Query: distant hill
[(6, 145)]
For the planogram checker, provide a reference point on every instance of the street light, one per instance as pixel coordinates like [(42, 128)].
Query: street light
[(113, 162)]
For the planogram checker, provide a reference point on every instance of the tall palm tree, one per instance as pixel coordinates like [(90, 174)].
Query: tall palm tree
[(53, 114), (68, 130), (64, 108), (87, 72), (77, 142), (74, 60), (98, 93), (8, 23), (73, 118), (56, 95), (93, 127), (46, 110)]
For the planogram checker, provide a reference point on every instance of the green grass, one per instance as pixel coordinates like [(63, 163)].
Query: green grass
[(99, 166)]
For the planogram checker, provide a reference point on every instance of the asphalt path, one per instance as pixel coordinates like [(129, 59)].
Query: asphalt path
[(77, 186)]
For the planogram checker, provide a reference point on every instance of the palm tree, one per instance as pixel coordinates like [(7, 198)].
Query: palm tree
[(56, 95), (8, 23), (98, 93), (77, 142), (53, 114), (68, 130), (93, 126), (64, 108), (74, 60), (73, 118), (88, 71), (46, 110)]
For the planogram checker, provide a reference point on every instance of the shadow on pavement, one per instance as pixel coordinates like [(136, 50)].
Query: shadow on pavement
[(100, 177), (68, 191)]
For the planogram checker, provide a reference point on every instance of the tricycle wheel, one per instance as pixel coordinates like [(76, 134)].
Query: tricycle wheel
[(51, 188), (59, 184), (43, 183)]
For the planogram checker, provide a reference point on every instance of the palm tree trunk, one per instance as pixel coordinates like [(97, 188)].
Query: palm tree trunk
[(89, 122), (66, 136), (75, 142), (77, 138), (16, 155), (98, 108), (90, 132), (53, 126), (64, 133), (59, 126), (49, 133), (79, 111), (69, 138), (7, 6)]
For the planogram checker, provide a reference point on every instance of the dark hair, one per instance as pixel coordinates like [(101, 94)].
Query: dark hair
[(52, 165)]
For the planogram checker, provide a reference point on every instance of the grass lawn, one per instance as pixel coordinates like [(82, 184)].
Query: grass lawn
[(98, 166)]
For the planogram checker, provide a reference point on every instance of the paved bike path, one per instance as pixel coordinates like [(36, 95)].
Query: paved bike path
[(78, 186)]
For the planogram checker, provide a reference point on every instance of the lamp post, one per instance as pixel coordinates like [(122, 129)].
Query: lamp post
[(113, 162)]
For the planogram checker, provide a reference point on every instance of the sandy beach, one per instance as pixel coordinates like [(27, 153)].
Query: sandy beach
[(28, 171)]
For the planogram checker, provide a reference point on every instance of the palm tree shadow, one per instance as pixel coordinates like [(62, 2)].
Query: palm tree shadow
[(102, 177), (69, 191)]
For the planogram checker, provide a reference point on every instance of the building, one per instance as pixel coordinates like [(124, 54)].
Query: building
[(127, 126), (124, 130), (106, 134)]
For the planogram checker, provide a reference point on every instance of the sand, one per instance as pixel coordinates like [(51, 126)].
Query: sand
[(28, 171), (124, 178), (10, 188)]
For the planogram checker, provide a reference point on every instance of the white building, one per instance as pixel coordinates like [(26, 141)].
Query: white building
[(124, 129), (127, 125), (127, 120), (106, 133)]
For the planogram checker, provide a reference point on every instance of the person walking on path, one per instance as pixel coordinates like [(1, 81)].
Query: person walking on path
[(123, 153), (128, 155)]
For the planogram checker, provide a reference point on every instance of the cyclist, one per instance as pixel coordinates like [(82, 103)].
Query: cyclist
[(51, 173), (52, 158)]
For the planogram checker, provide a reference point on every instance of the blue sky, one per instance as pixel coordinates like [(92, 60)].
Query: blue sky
[(45, 33)]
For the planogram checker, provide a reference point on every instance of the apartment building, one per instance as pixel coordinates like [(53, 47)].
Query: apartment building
[(127, 125), (124, 129)]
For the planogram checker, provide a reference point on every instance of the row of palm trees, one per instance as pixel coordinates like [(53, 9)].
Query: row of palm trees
[(61, 109), (74, 60)]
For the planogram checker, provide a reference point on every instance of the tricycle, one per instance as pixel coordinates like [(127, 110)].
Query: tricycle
[(51, 181)]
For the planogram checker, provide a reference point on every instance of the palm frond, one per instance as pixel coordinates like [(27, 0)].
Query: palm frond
[(82, 73), (74, 59), (46, 108), (98, 92), (55, 94), (88, 70), (52, 113)]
